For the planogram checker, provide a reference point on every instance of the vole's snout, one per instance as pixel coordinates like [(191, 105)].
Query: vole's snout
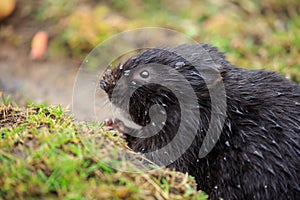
[(104, 85), (108, 82)]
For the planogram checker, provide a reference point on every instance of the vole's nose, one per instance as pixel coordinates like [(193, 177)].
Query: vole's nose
[(107, 81), (103, 85)]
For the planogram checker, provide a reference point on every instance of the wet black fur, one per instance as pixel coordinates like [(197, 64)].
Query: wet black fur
[(258, 153)]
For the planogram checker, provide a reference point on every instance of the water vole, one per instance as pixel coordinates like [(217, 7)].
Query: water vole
[(257, 155)]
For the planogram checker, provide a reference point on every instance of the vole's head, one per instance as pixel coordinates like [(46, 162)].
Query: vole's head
[(154, 76), (163, 78)]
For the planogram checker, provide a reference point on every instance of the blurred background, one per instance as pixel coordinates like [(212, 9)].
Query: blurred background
[(43, 42)]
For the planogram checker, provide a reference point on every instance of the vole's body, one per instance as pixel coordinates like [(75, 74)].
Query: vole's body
[(258, 153)]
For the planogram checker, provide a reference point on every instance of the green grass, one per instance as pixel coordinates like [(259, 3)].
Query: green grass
[(253, 34), (43, 155)]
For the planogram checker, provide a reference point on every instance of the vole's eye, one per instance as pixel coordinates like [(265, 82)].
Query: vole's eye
[(144, 74)]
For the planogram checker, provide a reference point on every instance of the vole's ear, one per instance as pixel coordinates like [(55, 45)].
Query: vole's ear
[(206, 60)]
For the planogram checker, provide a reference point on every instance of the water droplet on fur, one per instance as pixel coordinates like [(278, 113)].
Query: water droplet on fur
[(126, 72), (164, 105), (297, 103), (259, 154), (270, 169), (163, 123), (277, 126), (165, 152), (279, 93), (266, 186), (197, 160), (263, 128), (144, 74), (162, 112), (121, 66), (171, 161), (195, 73), (153, 124), (227, 143), (216, 187), (239, 112), (179, 64), (225, 158), (238, 186), (143, 149), (133, 83)]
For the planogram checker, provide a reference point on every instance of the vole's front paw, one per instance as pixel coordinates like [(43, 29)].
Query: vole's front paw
[(115, 124)]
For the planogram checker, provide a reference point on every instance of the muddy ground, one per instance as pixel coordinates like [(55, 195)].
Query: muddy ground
[(49, 80), (44, 81)]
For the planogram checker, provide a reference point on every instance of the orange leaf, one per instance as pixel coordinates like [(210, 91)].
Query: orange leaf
[(39, 45)]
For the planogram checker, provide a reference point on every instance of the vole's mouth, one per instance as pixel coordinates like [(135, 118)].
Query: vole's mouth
[(121, 122), (124, 119)]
